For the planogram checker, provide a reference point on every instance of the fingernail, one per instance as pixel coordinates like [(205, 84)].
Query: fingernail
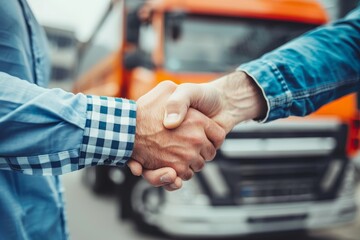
[(172, 117), (173, 186), (165, 178)]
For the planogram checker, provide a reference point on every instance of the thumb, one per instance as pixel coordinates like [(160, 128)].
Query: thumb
[(179, 102), (202, 97)]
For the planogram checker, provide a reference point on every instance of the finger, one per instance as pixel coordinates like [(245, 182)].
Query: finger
[(135, 167), (174, 186), (199, 163), (208, 150), (164, 87), (160, 177), (184, 171), (186, 175), (197, 166), (179, 102), (215, 133)]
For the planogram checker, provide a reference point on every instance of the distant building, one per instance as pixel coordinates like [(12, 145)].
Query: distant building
[(63, 46)]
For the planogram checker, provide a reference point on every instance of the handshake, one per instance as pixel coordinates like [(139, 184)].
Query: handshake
[(180, 127)]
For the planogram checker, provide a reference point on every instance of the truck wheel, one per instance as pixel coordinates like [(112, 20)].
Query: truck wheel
[(140, 202)]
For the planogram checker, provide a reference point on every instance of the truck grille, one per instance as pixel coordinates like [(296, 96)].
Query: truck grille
[(275, 181), (266, 172)]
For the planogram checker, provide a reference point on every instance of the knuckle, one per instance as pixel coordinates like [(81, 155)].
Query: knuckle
[(194, 116), (198, 118), (184, 171), (168, 84), (196, 158), (185, 86), (220, 137), (187, 175), (189, 156), (196, 140), (172, 103), (212, 153), (199, 166), (181, 169)]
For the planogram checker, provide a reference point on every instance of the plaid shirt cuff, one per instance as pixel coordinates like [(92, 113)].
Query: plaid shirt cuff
[(108, 139), (109, 133)]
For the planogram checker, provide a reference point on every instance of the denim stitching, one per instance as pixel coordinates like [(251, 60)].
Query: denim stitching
[(324, 88)]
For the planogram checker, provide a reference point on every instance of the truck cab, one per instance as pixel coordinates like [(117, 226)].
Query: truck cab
[(293, 174)]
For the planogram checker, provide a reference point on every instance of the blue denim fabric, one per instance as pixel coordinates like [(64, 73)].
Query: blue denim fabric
[(310, 71), (31, 207)]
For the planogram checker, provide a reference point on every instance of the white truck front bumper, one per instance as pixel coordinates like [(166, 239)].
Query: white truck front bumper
[(240, 220)]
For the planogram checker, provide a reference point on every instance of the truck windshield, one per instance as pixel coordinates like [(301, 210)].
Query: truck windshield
[(216, 44)]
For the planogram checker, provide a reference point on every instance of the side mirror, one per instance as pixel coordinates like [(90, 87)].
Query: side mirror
[(175, 21), (138, 58), (175, 32)]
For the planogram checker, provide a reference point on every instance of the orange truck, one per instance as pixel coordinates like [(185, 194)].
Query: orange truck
[(293, 174)]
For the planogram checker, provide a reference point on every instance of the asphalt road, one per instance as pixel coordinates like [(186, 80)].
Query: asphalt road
[(92, 217)]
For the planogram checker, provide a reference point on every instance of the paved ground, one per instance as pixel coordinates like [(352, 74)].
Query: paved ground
[(94, 218)]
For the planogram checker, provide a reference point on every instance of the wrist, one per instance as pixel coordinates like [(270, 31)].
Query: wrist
[(140, 134), (243, 97)]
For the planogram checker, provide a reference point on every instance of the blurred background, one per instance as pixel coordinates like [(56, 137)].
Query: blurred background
[(295, 179)]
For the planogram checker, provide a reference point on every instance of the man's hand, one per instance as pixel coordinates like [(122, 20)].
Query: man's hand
[(228, 101), (184, 149)]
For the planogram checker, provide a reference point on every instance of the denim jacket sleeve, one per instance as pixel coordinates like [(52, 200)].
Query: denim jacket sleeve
[(52, 132), (310, 71)]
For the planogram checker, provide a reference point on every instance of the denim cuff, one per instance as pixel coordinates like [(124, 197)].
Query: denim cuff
[(273, 85), (109, 133)]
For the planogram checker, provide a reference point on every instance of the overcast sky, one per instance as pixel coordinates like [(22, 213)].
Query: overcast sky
[(77, 15)]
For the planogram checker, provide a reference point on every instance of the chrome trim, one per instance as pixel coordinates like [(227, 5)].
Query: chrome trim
[(294, 124), (331, 174), (275, 147)]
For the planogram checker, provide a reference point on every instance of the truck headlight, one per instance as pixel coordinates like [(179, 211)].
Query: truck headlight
[(348, 184)]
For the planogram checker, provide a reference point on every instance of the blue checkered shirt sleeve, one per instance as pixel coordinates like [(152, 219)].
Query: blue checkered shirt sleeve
[(109, 132), (61, 132)]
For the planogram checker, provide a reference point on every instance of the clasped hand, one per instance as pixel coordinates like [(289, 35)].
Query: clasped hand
[(182, 150), (180, 127)]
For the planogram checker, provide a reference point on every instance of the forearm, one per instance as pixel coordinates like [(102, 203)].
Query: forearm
[(310, 71), (51, 132)]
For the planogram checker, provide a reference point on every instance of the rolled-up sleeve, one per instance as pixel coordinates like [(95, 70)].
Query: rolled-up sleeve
[(310, 71), (52, 132)]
